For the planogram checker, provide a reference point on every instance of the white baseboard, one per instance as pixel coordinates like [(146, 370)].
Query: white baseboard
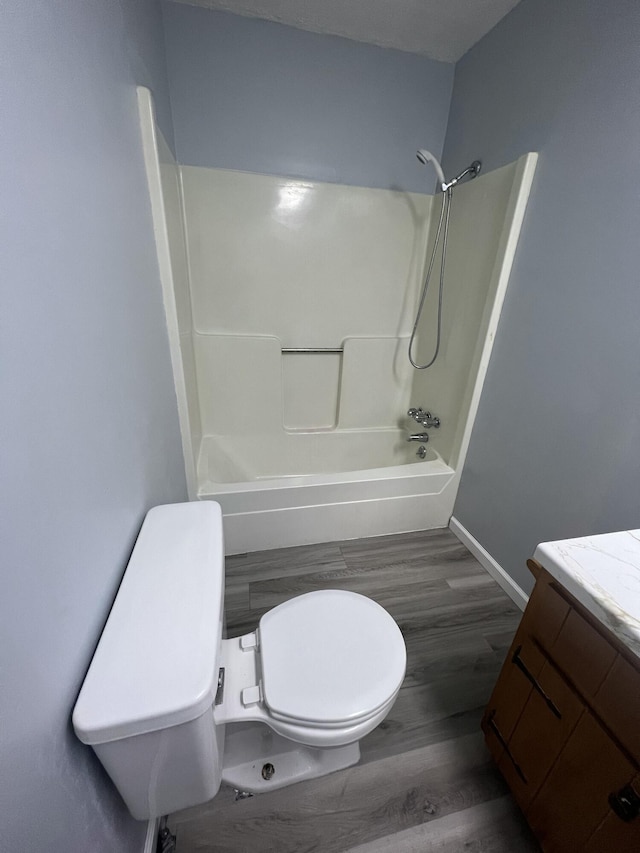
[(152, 836), (487, 562)]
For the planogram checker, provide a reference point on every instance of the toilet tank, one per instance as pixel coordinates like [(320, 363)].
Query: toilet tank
[(146, 705)]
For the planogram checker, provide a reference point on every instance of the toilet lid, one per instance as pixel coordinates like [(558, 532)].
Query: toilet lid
[(330, 657)]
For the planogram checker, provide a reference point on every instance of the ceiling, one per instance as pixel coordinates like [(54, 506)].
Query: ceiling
[(439, 29)]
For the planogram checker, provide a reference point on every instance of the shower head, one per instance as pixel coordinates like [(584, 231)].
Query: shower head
[(425, 157)]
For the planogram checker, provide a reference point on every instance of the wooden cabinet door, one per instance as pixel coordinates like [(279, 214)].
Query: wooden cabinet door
[(512, 691), (549, 717), (531, 714), (573, 803)]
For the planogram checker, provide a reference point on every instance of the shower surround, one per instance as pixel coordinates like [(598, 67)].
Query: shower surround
[(258, 271)]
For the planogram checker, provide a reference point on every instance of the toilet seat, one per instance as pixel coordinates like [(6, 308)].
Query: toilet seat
[(322, 669), (329, 659), (325, 738)]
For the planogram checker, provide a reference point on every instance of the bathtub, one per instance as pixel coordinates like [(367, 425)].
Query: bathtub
[(297, 488)]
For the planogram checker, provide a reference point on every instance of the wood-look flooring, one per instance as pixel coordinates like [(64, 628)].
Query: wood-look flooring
[(425, 781)]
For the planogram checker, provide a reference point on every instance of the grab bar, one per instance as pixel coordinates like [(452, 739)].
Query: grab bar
[(312, 350)]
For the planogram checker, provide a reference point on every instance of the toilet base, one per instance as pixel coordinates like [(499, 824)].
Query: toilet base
[(249, 747)]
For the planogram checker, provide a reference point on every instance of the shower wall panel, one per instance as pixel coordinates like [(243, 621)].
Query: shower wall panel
[(239, 381), (310, 263), (163, 179), (482, 219), (277, 263), (172, 197), (386, 360)]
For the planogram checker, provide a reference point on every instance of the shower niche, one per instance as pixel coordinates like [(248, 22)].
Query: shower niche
[(289, 308)]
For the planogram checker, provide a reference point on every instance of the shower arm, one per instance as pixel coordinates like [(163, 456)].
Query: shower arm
[(472, 170)]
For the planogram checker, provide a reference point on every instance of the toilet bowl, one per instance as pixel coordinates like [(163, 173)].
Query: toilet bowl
[(172, 708)]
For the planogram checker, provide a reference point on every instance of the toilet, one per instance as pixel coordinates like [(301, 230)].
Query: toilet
[(172, 709)]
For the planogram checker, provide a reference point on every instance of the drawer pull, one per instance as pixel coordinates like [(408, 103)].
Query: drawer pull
[(625, 803), (517, 660), (503, 743)]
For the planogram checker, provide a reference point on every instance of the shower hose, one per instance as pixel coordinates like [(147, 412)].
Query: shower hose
[(445, 211)]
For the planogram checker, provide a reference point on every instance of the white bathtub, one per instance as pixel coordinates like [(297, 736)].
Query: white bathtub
[(298, 488)]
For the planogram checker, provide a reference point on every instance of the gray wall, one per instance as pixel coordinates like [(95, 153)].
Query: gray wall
[(262, 97), (89, 426), (143, 26), (555, 448)]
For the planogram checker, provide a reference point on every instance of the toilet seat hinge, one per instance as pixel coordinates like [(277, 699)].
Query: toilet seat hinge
[(249, 642), (251, 695)]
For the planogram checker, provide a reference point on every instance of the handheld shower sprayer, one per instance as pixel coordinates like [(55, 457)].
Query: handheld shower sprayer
[(425, 157)]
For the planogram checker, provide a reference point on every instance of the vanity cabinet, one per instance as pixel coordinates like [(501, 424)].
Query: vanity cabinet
[(563, 725)]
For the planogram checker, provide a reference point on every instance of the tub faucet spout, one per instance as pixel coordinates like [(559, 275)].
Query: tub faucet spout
[(419, 436)]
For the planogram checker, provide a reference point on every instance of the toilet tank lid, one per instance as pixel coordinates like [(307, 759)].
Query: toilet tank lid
[(156, 663)]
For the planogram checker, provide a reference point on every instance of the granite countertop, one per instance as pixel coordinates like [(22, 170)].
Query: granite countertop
[(603, 574)]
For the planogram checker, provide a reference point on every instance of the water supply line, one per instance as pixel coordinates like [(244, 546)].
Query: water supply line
[(425, 157)]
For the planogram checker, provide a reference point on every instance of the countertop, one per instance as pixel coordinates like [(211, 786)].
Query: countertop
[(603, 574)]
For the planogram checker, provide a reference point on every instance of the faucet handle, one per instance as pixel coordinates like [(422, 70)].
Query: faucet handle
[(418, 414), (429, 421)]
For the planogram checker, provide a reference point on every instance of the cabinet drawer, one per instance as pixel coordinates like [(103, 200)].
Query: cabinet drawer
[(545, 614), (583, 654)]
